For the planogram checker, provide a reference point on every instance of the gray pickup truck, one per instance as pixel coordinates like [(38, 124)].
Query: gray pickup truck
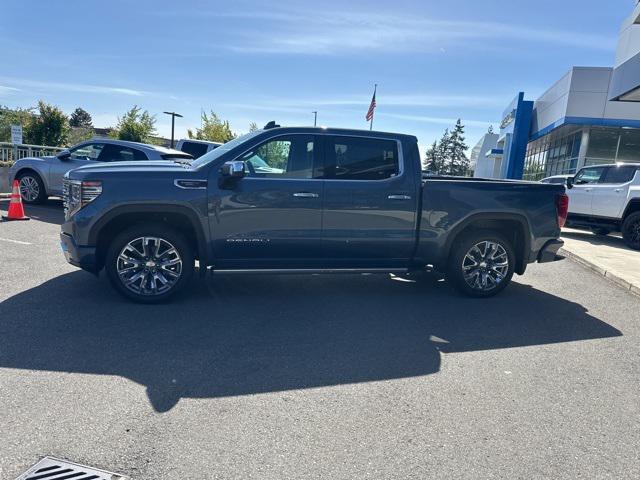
[(304, 200)]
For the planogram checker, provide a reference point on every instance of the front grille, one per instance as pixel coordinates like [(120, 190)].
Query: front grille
[(65, 196), (50, 468)]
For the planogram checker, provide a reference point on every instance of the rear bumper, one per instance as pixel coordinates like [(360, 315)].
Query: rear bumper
[(83, 257), (549, 253)]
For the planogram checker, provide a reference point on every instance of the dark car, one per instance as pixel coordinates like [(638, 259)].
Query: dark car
[(327, 200)]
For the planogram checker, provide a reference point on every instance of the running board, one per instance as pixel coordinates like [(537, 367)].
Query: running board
[(312, 271)]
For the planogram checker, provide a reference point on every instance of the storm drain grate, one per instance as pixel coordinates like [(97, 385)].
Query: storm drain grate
[(50, 468)]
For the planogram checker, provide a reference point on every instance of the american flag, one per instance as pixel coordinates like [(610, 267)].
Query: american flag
[(372, 107)]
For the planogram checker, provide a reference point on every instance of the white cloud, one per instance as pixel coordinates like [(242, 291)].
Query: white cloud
[(448, 121), (319, 32), (73, 87), (6, 91)]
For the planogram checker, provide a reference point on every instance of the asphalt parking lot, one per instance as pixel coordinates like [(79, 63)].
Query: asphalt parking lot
[(317, 376)]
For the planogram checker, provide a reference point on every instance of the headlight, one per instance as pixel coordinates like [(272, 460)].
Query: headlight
[(77, 194)]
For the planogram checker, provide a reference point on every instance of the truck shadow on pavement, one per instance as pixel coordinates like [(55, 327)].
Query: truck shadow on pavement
[(256, 334)]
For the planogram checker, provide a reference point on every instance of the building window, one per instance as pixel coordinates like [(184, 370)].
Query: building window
[(554, 154)]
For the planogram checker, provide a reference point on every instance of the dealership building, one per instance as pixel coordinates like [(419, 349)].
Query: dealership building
[(589, 116)]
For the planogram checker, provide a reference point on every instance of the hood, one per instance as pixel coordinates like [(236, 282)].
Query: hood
[(143, 166)]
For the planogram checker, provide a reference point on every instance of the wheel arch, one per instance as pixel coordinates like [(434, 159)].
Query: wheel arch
[(513, 226), (632, 207), (181, 218), (32, 169)]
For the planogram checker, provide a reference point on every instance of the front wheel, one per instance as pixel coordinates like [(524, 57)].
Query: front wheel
[(31, 188), (631, 231), (149, 263), (481, 264)]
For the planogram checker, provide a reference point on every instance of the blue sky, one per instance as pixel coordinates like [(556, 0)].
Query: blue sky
[(250, 60)]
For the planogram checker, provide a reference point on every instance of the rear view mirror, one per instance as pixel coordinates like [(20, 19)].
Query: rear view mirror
[(235, 169), (64, 155)]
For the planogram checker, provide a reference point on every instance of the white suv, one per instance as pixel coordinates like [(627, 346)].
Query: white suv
[(606, 198)]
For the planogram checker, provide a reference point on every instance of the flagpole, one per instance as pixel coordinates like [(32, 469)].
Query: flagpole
[(375, 88)]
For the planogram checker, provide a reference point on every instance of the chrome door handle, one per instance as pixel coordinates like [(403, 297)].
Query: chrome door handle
[(305, 195), (588, 189), (618, 190), (399, 197)]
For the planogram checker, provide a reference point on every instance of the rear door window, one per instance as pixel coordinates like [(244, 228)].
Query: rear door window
[(622, 174), (120, 153), (355, 158)]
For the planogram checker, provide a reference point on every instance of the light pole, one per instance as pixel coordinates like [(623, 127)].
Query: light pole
[(315, 118), (173, 123)]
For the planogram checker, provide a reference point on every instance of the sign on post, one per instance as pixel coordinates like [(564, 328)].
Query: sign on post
[(16, 134)]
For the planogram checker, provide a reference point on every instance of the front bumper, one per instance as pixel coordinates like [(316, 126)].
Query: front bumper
[(549, 253), (79, 256)]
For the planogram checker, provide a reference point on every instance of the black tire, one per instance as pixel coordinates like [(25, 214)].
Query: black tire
[(458, 261), (631, 231), (150, 267), (600, 231), (30, 182)]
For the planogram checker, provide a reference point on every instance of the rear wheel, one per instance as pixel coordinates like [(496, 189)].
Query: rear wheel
[(601, 231), (631, 231), (31, 188), (481, 264), (149, 263)]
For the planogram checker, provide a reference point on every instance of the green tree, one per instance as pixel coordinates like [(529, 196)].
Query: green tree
[(10, 116), (136, 126), (431, 163), (80, 118), (213, 129), (79, 134), (458, 163), (443, 151), (49, 127)]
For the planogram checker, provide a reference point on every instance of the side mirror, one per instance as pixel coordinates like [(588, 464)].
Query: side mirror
[(570, 183), (64, 155), (235, 169)]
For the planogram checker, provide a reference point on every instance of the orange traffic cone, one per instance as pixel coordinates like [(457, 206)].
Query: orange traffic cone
[(16, 210)]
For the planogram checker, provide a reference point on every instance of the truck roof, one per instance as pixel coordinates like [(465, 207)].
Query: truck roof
[(343, 131)]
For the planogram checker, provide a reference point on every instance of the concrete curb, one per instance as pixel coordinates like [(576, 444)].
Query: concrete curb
[(621, 282)]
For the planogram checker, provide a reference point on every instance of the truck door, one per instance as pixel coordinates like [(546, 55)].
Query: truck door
[(370, 202), (581, 195), (610, 193), (272, 216)]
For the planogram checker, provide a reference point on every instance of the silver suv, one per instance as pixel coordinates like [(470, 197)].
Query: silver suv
[(42, 177)]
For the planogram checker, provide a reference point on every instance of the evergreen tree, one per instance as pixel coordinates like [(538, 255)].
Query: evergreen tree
[(443, 152), (430, 163), (457, 158), (80, 118)]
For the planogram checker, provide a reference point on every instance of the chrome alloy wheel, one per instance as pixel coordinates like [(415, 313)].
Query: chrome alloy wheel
[(149, 266), (29, 188), (485, 265)]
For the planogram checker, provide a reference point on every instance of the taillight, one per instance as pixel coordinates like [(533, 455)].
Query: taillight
[(562, 207)]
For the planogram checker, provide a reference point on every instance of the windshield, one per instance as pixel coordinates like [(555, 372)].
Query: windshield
[(222, 149)]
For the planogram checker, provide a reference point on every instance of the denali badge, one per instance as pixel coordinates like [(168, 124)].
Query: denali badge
[(248, 240)]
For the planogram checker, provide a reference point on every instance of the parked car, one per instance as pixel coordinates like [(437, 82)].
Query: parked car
[(42, 177), (606, 198), (560, 179), (196, 148), (331, 200)]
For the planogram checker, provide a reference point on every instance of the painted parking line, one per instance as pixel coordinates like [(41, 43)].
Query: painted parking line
[(19, 242)]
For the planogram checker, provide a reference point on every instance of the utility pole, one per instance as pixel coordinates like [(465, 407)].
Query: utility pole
[(315, 118), (173, 123)]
